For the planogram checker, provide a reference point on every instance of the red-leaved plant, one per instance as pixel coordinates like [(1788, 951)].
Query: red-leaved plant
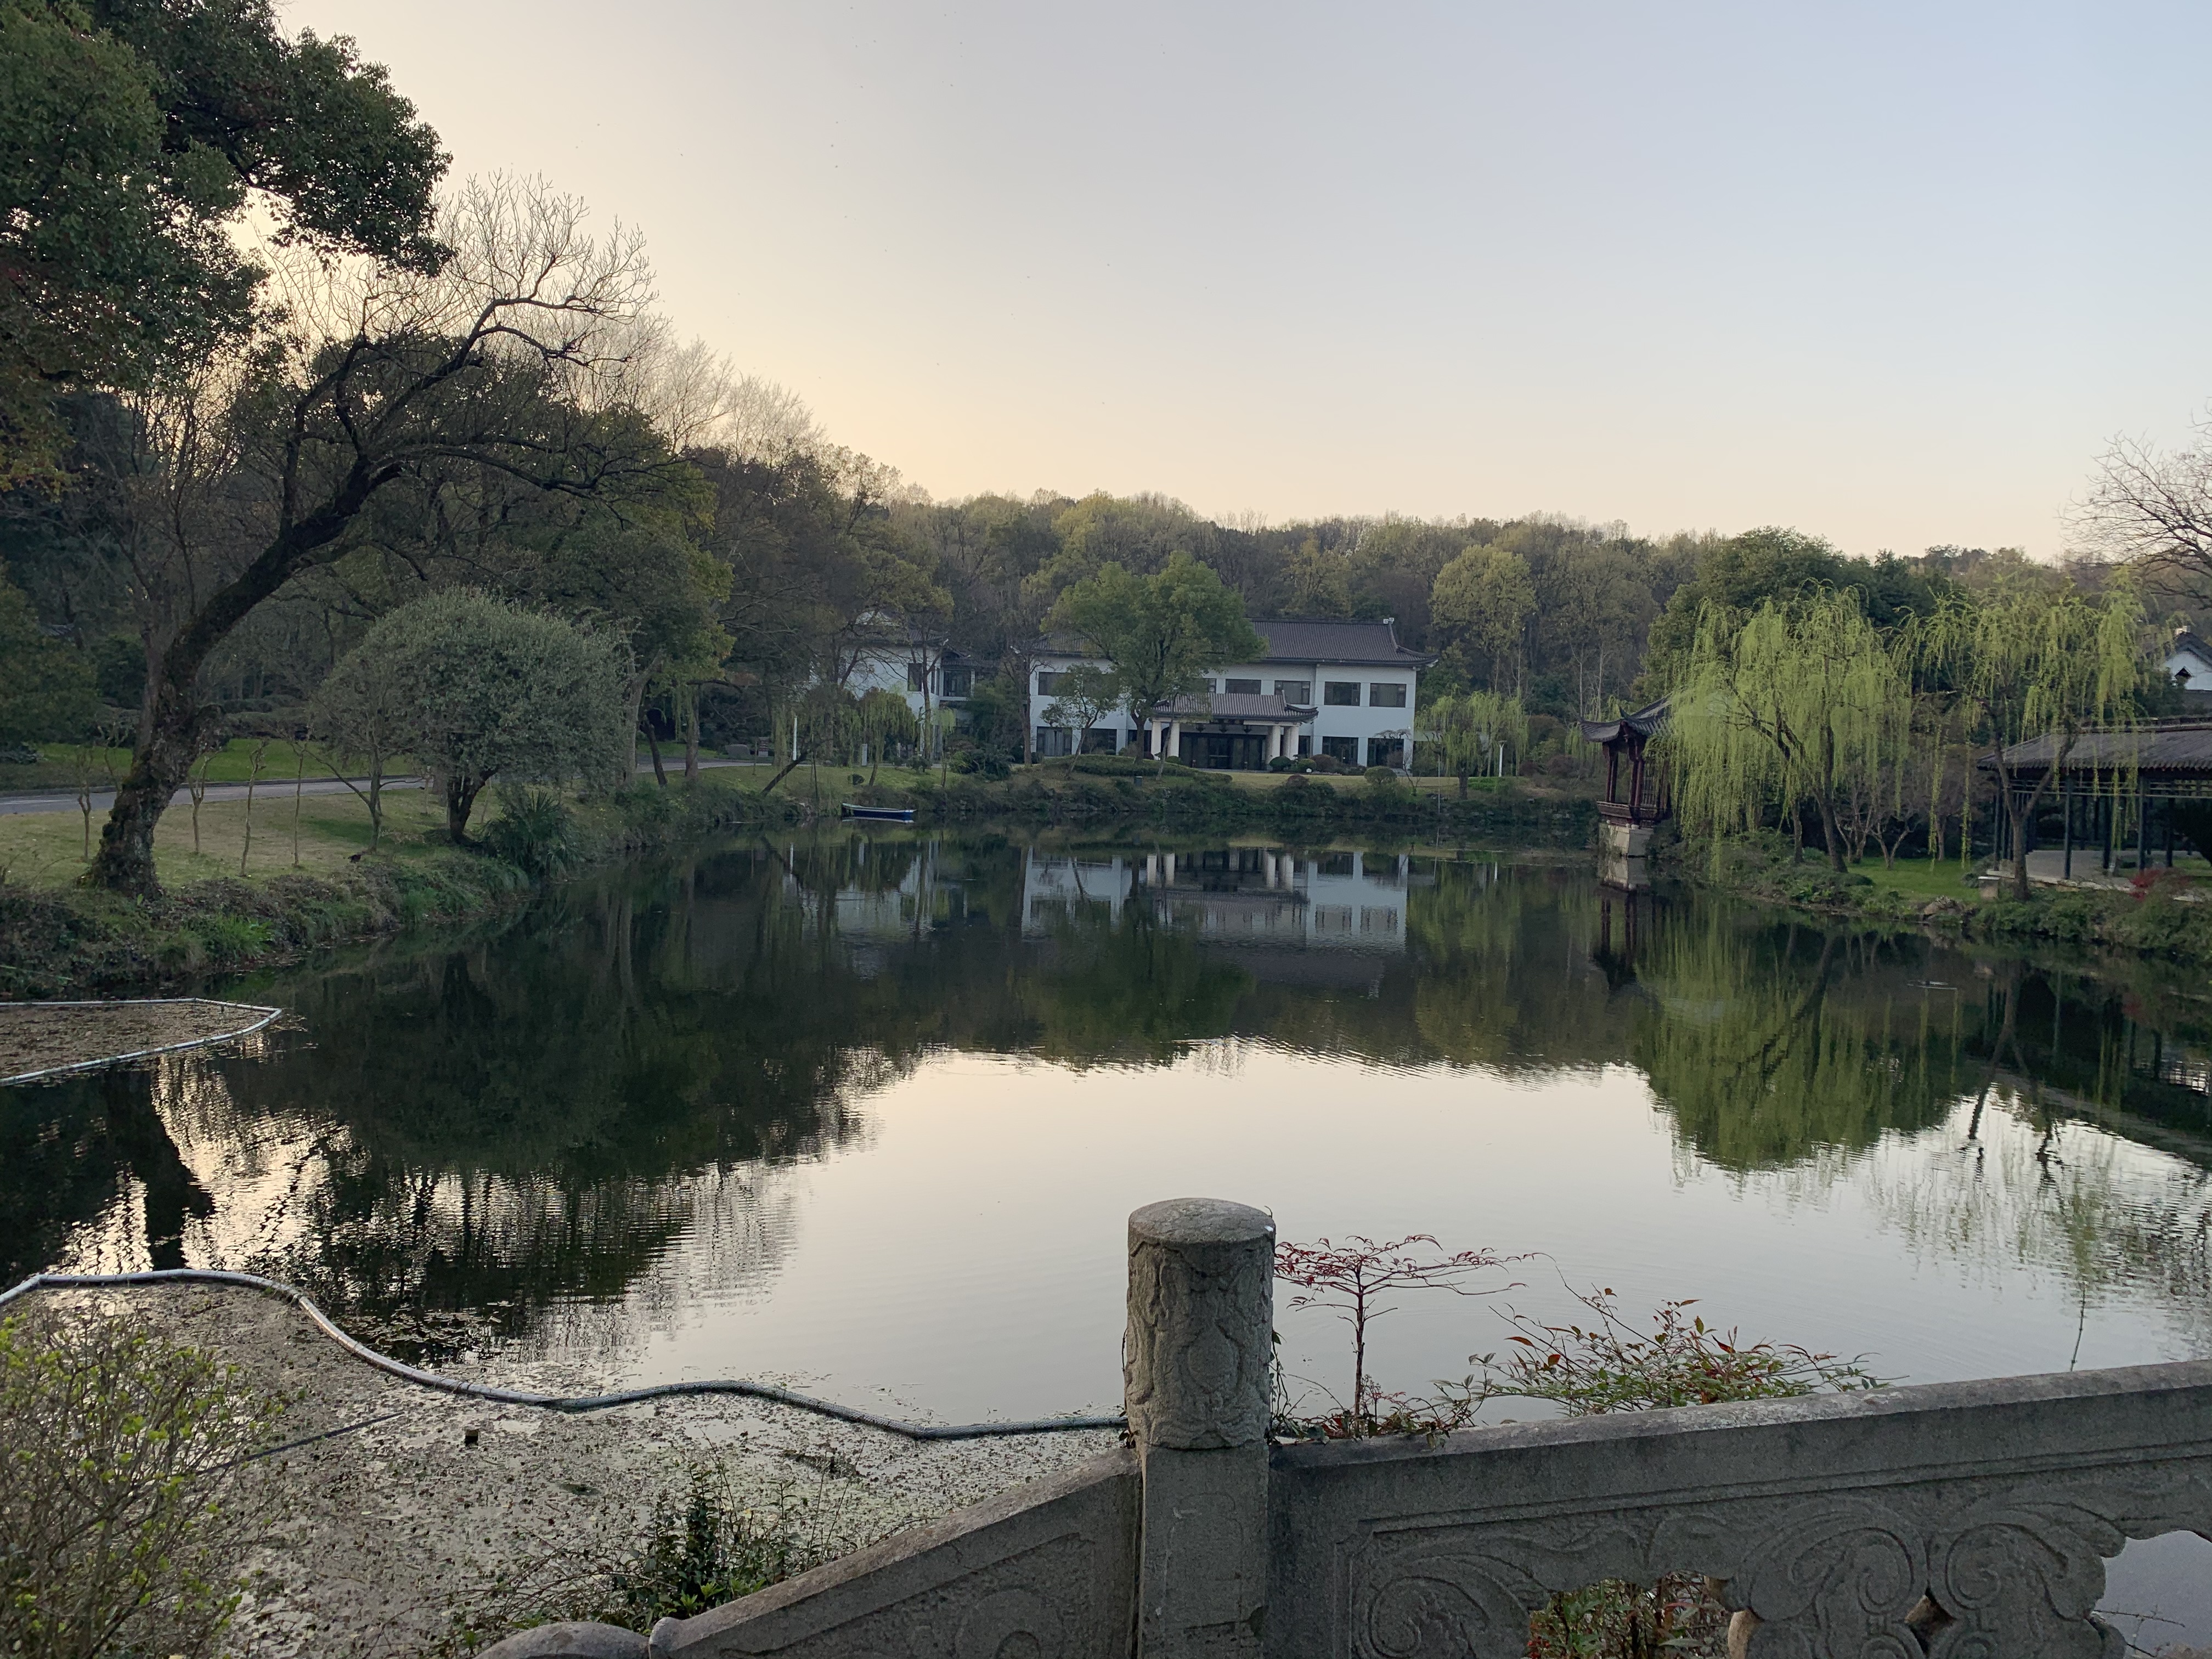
[(1349, 1280)]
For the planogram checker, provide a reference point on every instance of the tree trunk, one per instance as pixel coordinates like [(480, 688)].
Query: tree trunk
[(1830, 833), (689, 694), (652, 743), (636, 713), (460, 797), (169, 726)]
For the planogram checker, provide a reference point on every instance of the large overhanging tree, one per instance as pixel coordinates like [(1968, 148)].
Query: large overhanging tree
[(2037, 657), (1161, 633), (133, 133), (1785, 707), (373, 374)]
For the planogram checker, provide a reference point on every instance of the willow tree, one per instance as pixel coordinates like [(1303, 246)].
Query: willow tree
[(1787, 706), (1472, 726), (2037, 657)]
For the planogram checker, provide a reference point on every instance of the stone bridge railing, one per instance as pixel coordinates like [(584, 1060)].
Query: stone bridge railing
[(1965, 1521)]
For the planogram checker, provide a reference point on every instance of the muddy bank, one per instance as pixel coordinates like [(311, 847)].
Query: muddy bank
[(375, 1537)]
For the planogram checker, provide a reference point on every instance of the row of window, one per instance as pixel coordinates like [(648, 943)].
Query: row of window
[(1337, 694)]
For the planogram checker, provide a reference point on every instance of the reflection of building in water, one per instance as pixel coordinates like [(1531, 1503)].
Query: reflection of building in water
[(891, 892), (1279, 907)]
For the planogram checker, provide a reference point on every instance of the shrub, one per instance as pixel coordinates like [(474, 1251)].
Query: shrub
[(121, 1512), (1380, 775), (536, 833)]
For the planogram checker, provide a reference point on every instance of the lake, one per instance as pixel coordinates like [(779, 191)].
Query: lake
[(864, 1114)]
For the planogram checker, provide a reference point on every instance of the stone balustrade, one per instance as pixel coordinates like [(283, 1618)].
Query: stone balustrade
[(1961, 1521)]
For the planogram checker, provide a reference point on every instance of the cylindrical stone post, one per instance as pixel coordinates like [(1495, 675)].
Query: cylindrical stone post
[(1194, 1385)]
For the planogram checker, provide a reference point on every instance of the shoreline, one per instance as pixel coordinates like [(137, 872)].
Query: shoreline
[(380, 1536), (2157, 925)]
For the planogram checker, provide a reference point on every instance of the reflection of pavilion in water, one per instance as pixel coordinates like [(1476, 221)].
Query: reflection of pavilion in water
[(1286, 916)]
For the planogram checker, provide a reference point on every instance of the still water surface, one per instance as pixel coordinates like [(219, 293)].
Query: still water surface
[(868, 1114)]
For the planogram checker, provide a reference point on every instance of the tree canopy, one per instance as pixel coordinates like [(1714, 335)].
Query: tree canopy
[(494, 690), (132, 134), (1161, 632)]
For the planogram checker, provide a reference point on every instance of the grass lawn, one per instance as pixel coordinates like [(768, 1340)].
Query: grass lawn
[(1918, 879), (65, 764), (47, 849)]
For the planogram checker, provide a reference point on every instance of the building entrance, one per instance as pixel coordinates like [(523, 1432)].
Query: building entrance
[(1226, 751)]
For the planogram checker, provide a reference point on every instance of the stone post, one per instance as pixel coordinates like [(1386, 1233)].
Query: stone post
[(1194, 1384)]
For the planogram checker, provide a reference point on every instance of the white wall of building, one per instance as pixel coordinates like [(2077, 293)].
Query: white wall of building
[(1367, 712)]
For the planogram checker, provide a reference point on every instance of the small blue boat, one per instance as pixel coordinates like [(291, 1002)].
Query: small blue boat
[(881, 814)]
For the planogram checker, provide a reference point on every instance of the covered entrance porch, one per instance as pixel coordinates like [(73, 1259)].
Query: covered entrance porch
[(1231, 733)]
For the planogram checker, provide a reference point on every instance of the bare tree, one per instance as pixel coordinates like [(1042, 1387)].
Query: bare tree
[(2152, 509), (362, 376)]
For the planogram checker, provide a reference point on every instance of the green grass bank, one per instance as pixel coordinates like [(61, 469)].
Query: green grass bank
[(2169, 916), (1113, 790), (244, 891)]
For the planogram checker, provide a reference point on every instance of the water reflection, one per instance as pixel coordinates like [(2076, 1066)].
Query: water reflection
[(602, 1117)]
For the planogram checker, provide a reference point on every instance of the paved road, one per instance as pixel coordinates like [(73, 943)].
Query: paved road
[(64, 800)]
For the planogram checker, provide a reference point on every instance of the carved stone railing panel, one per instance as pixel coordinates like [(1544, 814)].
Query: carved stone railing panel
[(1048, 1571), (1974, 1517)]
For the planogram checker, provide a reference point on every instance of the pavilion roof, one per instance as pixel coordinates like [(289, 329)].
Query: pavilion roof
[(2181, 748)]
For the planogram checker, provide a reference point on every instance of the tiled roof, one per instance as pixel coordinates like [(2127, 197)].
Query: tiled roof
[(1238, 706), (2171, 747), (1307, 638), (1644, 722)]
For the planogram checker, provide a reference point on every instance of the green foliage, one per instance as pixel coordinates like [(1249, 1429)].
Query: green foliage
[(46, 690), (1794, 703), (1473, 726), (702, 1549), (1088, 693), (131, 135), (124, 1518), (1614, 1365), (1162, 632), (498, 690), (2035, 655), (536, 832), (1484, 598)]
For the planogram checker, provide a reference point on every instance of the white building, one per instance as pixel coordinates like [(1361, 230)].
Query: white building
[(2189, 664), (921, 668), (1344, 688)]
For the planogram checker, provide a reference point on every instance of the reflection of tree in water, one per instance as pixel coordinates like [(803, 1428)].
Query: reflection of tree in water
[(1503, 977), (1769, 1048), (74, 1151), (1132, 992), (2105, 1215)]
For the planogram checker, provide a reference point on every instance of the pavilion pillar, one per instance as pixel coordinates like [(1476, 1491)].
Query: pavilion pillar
[(1175, 739)]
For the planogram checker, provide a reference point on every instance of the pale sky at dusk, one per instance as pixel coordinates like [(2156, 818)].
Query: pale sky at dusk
[(1893, 273)]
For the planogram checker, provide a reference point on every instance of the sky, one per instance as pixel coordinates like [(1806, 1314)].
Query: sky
[(1892, 273)]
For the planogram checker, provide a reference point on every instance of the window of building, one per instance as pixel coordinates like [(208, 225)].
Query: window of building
[(1049, 682), (1386, 751), (1306, 746), (1341, 694), (1384, 694), (1053, 741), (1209, 688), (1241, 688), (1343, 748), (1297, 693), (917, 676), (959, 682)]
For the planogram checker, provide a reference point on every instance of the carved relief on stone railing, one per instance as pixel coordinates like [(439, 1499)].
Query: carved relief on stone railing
[(1045, 1572), (1976, 1527), (1201, 1288)]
